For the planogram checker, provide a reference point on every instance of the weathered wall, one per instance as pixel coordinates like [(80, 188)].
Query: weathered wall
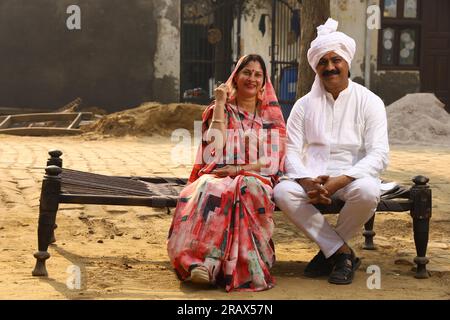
[(252, 39), (166, 84), (393, 85), (389, 85), (351, 17), (114, 61)]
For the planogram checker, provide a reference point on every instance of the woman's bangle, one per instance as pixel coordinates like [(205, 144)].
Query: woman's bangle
[(218, 121)]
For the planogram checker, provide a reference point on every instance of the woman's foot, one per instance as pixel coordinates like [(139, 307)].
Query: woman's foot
[(200, 275)]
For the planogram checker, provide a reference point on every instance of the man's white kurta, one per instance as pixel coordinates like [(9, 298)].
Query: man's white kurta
[(356, 131)]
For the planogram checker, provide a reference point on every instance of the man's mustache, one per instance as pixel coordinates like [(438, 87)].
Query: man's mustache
[(327, 73)]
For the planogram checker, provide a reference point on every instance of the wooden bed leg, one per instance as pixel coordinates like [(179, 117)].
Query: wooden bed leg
[(420, 197), (51, 187), (52, 237), (368, 234), (54, 160)]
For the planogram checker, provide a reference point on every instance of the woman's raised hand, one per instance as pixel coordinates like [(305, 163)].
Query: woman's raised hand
[(221, 93)]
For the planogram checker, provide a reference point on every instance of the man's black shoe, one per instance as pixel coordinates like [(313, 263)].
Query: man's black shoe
[(344, 268), (319, 266)]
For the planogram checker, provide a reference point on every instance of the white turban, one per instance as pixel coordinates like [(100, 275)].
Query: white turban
[(328, 39)]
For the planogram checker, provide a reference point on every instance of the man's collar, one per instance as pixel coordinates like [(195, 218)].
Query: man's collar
[(344, 92)]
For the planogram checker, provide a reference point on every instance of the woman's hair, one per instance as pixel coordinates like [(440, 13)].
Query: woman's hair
[(257, 58)]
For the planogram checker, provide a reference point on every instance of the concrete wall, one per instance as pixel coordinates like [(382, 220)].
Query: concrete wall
[(128, 52), (389, 85), (252, 40), (166, 84), (121, 57)]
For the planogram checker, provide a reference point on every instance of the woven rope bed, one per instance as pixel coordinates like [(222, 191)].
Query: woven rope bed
[(61, 185)]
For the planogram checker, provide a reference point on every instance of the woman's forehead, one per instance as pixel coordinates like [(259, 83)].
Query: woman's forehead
[(253, 66)]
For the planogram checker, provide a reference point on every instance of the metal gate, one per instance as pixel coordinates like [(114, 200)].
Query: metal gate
[(284, 51), (209, 46)]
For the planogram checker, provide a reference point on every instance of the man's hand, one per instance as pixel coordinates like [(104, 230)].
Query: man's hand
[(315, 190), (333, 184)]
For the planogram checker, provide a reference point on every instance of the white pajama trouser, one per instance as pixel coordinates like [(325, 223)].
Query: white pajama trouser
[(361, 199)]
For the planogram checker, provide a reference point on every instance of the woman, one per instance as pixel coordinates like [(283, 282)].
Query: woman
[(222, 227)]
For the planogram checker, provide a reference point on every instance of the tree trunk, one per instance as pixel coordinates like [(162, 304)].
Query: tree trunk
[(313, 14)]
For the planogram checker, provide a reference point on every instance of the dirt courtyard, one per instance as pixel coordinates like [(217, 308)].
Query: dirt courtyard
[(121, 251)]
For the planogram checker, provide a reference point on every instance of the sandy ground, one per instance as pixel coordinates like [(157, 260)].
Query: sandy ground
[(130, 261)]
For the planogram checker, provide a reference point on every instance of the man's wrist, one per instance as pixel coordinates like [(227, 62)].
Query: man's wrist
[(305, 183), (301, 180), (348, 179), (345, 180)]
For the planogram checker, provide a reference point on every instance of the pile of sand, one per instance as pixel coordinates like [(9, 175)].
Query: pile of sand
[(418, 119), (415, 119), (148, 119)]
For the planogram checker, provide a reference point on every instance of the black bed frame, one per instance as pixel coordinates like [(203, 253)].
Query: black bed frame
[(416, 200)]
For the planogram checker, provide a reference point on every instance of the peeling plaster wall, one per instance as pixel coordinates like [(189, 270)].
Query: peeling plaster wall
[(389, 85), (252, 40), (166, 82), (351, 15)]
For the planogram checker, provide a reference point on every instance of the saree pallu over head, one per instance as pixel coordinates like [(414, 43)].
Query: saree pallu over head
[(270, 137)]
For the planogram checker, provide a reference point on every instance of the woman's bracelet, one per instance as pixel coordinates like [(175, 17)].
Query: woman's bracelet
[(218, 121), (239, 169)]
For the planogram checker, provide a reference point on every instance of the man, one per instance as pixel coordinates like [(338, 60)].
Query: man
[(337, 146)]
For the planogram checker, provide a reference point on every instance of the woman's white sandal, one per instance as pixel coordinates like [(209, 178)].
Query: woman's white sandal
[(200, 275)]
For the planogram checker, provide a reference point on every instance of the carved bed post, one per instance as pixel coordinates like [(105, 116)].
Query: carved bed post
[(51, 187), (420, 197), (54, 160), (368, 234)]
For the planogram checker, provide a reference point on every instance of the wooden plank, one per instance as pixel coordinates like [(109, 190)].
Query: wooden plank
[(39, 117), (75, 122), (6, 122), (157, 202), (171, 201), (40, 131)]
